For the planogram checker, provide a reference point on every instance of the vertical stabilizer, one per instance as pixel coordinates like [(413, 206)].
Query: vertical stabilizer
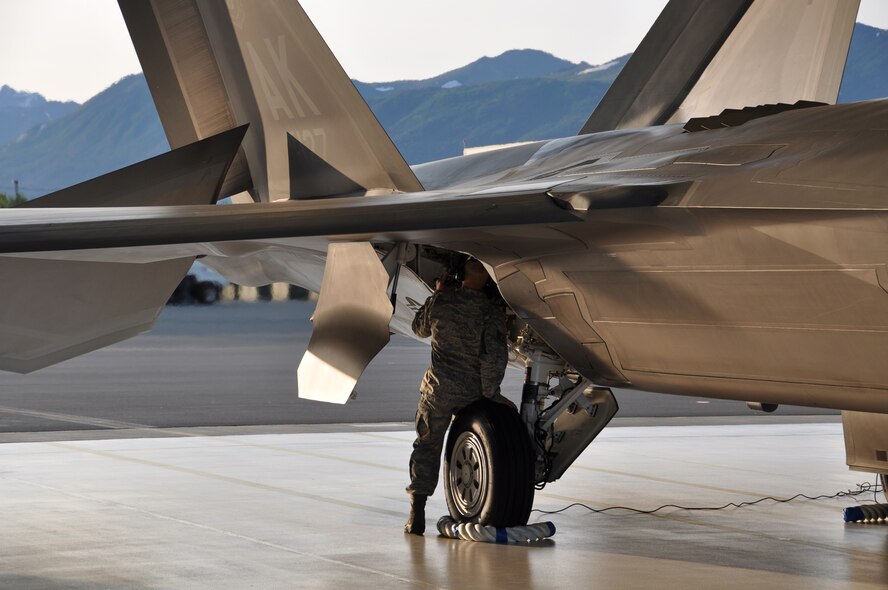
[(703, 56), (212, 65)]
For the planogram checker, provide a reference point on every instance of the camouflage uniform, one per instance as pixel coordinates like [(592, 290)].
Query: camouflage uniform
[(469, 358)]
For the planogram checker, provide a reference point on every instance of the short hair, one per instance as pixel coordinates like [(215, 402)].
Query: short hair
[(475, 268), (475, 275)]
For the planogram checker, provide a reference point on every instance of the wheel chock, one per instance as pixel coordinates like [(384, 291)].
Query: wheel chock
[(513, 535)]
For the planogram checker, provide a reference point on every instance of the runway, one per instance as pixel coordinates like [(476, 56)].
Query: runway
[(325, 510), (234, 364)]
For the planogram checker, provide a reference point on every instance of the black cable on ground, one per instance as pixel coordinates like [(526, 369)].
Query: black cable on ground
[(862, 488)]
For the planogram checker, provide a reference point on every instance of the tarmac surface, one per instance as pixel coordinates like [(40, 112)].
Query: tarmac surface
[(234, 364), (326, 510)]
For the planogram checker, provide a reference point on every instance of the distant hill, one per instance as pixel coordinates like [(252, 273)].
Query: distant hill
[(519, 95), (511, 65), (115, 128), (516, 96), (866, 71), (19, 111), (430, 124)]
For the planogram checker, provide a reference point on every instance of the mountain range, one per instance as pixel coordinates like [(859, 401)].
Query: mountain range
[(20, 111), (517, 96)]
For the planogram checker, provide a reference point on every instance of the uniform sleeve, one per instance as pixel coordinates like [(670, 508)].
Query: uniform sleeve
[(422, 324), (494, 352)]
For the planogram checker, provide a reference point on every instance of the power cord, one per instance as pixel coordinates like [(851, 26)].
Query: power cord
[(862, 488)]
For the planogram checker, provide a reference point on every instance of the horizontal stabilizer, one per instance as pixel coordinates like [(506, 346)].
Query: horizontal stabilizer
[(189, 175), (312, 177), (351, 323), (54, 310)]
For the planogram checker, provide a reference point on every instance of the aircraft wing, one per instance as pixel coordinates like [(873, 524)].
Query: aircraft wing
[(116, 295), (43, 230)]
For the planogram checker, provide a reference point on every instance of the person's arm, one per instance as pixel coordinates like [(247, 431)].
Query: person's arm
[(422, 321)]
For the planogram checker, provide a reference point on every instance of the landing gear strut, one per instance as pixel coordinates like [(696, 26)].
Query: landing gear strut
[(561, 419)]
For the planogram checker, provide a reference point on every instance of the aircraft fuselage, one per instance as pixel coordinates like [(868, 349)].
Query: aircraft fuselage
[(745, 263)]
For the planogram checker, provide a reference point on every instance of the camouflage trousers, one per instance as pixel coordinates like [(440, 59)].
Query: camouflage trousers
[(433, 417)]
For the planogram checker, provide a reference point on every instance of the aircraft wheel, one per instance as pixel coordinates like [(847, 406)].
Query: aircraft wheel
[(206, 293), (489, 467)]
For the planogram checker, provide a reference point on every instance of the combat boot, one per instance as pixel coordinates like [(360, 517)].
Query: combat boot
[(416, 521)]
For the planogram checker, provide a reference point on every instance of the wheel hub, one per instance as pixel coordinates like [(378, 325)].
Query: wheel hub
[(469, 473)]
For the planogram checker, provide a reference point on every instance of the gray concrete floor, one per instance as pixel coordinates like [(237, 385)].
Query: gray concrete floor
[(325, 510)]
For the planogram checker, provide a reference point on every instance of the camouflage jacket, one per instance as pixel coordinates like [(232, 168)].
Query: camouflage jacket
[(469, 352)]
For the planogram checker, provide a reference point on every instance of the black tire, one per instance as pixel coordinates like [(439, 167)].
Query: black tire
[(489, 467), (206, 293)]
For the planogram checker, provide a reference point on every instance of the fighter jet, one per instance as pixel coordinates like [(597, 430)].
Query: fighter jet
[(718, 227)]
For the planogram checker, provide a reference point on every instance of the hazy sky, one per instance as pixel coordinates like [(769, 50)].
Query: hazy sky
[(73, 49)]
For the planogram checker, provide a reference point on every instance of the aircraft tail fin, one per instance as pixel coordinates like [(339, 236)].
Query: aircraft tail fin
[(213, 65), (704, 56)]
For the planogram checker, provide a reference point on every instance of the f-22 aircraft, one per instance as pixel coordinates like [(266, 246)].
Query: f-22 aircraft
[(718, 227)]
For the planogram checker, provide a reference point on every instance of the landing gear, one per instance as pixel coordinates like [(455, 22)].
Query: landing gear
[(495, 458), (561, 410), (489, 467)]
